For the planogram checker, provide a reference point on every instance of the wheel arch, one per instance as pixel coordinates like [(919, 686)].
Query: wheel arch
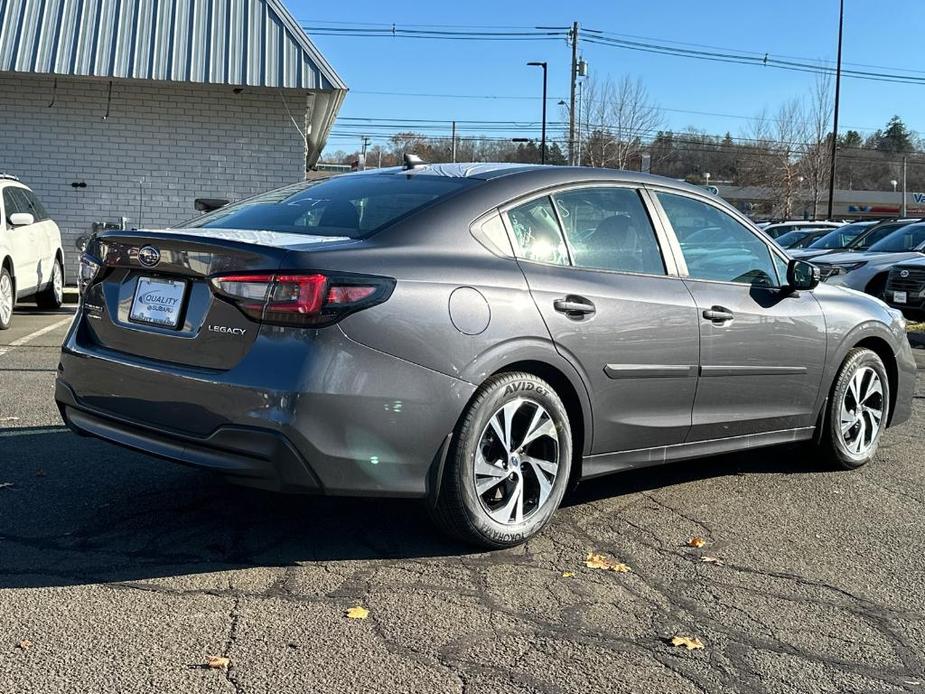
[(882, 349), (8, 264), (577, 407)]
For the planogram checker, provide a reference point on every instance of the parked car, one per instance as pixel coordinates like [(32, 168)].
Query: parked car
[(480, 336), (800, 238), (905, 288), (31, 259), (839, 239), (781, 228), (867, 271)]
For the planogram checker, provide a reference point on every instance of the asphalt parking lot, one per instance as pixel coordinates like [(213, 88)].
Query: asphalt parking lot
[(120, 573)]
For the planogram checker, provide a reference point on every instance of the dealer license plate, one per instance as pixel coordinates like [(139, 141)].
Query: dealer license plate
[(158, 301), (899, 297)]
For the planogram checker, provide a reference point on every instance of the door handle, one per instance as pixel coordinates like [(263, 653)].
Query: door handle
[(718, 314), (574, 306)]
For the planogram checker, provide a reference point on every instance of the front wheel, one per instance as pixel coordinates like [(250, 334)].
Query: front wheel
[(509, 464), (858, 410)]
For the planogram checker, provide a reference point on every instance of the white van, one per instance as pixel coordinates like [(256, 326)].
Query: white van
[(31, 259)]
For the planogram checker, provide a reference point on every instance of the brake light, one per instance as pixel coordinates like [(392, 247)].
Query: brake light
[(87, 271), (308, 300)]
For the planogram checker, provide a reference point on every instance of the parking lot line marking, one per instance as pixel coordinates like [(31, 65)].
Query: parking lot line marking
[(25, 339)]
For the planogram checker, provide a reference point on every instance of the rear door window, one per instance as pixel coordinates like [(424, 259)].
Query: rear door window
[(536, 231), (607, 228)]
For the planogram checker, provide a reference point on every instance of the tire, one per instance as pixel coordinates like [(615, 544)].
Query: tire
[(843, 450), (7, 298), (53, 295), (489, 518)]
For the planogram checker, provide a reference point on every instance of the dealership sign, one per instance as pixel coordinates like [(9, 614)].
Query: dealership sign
[(919, 198)]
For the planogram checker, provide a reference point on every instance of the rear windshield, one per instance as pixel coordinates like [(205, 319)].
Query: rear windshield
[(906, 239), (352, 205)]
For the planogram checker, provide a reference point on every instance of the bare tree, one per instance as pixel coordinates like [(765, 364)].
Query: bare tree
[(779, 139), (620, 119), (816, 152)]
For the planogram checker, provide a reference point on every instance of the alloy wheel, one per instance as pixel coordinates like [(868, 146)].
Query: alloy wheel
[(517, 461), (6, 298), (58, 283), (862, 411)]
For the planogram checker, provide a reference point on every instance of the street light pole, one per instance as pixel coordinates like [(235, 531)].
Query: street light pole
[(543, 65), (841, 26)]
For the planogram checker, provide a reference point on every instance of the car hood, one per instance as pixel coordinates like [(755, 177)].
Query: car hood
[(874, 259), (807, 253)]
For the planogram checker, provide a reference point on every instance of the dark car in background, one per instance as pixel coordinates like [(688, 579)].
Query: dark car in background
[(905, 288), (479, 336), (801, 238)]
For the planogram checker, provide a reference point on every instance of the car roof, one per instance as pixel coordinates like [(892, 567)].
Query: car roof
[(533, 174)]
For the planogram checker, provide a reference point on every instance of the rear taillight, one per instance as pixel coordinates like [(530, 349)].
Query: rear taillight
[(301, 299), (87, 270)]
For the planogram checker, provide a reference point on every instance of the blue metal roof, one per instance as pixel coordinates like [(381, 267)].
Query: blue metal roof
[(236, 42)]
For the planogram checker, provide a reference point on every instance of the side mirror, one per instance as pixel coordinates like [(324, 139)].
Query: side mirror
[(209, 204), (21, 219), (802, 275)]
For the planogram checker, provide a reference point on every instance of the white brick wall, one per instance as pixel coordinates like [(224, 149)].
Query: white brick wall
[(185, 140)]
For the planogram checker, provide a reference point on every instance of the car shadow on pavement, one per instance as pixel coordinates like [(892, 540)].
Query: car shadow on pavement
[(78, 511)]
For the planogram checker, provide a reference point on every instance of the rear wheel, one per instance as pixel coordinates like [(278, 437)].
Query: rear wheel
[(509, 465), (7, 299), (53, 295), (858, 410)]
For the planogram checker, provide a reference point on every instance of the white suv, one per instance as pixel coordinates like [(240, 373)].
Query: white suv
[(31, 259)]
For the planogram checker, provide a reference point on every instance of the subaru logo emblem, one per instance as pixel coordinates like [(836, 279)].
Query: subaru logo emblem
[(149, 256), (903, 273)]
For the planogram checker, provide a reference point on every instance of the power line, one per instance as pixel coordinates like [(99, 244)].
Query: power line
[(612, 40)]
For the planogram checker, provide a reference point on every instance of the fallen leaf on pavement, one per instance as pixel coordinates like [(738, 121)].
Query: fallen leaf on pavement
[(691, 643), (358, 612), (712, 560), (218, 662), (696, 541), (568, 574), (25, 644), (600, 561)]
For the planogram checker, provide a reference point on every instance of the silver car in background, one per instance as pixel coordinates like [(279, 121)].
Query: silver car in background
[(481, 337)]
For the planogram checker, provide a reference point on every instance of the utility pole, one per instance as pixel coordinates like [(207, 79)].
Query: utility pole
[(841, 26), (362, 166), (903, 211), (573, 37), (454, 142), (543, 65)]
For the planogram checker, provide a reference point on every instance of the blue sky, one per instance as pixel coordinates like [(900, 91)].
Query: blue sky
[(794, 28)]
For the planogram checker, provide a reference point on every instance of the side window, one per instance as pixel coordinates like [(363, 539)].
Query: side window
[(536, 232), (35, 207), (717, 247), (609, 229), (13, 202)]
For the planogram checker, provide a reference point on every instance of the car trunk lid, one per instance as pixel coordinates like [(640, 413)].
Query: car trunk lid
[(153, 297)]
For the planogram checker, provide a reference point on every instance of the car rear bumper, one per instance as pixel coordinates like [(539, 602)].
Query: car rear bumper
[(304, 411)]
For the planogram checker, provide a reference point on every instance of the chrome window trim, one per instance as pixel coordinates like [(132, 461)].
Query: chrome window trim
[(662, 239), (723, 207)]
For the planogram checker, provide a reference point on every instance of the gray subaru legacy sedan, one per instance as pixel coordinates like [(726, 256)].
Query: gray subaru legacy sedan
[(479, 336)]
